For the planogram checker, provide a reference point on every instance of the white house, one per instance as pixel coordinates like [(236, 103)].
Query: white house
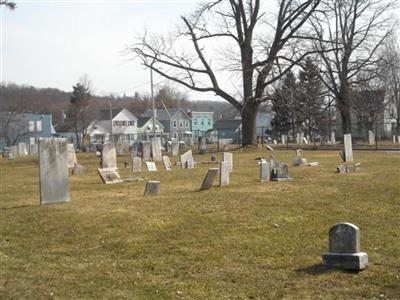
[(124, 126)]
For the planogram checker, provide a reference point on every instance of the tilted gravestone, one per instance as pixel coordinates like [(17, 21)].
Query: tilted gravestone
[(174, 148), (71, 157), (187, 161), (265, 174), (348, 148), (152, 188), (108, 156), (151, 166), (344, 248), (156, 149), (53, 170), (371, 138), (146, 150), (209, 179), (136, 164), (109, 175), (299, 161), (224, 170), (167, 163), (79, 170), (227, 156)]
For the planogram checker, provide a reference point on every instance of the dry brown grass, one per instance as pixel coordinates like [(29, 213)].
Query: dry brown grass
[(112, 242)]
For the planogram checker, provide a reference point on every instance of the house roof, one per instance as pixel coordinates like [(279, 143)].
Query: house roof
[(227, 124), (105, 113), (162, 114)]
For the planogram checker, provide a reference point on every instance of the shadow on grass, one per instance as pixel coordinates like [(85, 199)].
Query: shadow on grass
[(319, 269), (16, 207)]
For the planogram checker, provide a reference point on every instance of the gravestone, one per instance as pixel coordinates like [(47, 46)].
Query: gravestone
[(167, 163), (33, 150), (305, 140), (79, 170), (313, 164), (71, 157), (265, 174), (152, 188), (344, 248), (224, 170), (348, 148), (281, 172), (119, 148), (299, 152), (301, 137), (283, 139), (187, 161), (14, 151), (269, 147), (209, 179), (202, 145), (371, 138), (146, 151), (394, 139), (53, 170), (299, 161), (228, 156), (151, 166), (156, 149), (275, 142), (333, 138), (136, 164), (398, 139), (297, 138), (174, 148), (109, 175), (22, 152), (134, 149), (108, 156)]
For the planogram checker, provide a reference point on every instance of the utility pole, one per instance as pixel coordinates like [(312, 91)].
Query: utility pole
[(111, 124), (152, 100)]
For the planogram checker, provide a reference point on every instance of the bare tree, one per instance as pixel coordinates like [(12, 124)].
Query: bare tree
[(255, 52), (354, 30), (9, 4)]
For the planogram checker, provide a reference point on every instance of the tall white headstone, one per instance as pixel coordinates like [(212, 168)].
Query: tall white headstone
[(224, 170), (71, 157), (227, 156), (333, 138), (348, 148), (108, 156), (156, 149), (371, 137), (53, 171)]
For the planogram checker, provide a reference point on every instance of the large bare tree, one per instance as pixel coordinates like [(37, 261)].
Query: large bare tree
[(353, 30), (242, 38)]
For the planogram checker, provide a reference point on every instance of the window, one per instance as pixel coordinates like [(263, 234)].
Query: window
[(181, 123), (195, 121), (124, 123), (174, 123), (209, 121), (175, 135), (202, 121), (31, 126), (186, 123), (38, 126)]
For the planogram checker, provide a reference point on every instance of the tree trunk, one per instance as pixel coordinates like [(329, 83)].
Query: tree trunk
[(249, 132)]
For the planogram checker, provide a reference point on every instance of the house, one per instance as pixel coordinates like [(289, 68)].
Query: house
[(176, 121), (263, 123), (229, 129), (121, 127), (201, 122), (66, 130), (145, 128), (24, 127)]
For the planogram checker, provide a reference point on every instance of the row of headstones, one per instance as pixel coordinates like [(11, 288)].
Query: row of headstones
[(20, 150), (300, 139)]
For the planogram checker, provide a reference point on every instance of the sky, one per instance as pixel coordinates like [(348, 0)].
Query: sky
[(53, 43)]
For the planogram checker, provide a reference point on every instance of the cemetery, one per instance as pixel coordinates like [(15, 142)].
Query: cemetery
[(192, 225)]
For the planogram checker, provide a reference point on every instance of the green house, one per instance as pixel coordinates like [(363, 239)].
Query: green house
[(201, 122)]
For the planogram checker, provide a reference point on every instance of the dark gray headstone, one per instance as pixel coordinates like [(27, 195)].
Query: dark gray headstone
[(344, 248), (152, 188), (209, 179), (53, 171)]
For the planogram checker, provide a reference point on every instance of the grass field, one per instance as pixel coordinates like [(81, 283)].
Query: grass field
[(112, 242)]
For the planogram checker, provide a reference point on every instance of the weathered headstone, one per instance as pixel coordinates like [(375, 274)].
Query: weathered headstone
[(14, 151), (269, 147), (202, 145), (146, 150), (301, 137), (299, 152), (22, 152), (228, 156), (298, 138), (275, 142), (151, 166), (283, 139), (136, 164), (174, 148), (333, 138), (108, 156), (398, 139), (265, 174), (156, 149), (167, 163), (119, 148), (313, 164), (187, 161), (371, 138), (79, 170), (209, 179), (33, 149), (152, 188), (305, 140), (299, 161), (134, 149), (348, 148), (224, 170), (71, 157), (394, 139), (280, 172), (109, 175), (53, 171), (344, 248)]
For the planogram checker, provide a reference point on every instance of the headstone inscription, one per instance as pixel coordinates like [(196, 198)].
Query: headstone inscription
[(152, 188), (224, 170), (53, 170), (108, 156), (209, 179), (151, 166), (344, 248)]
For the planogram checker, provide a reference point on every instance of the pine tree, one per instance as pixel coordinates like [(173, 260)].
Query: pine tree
[(79, 103)]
